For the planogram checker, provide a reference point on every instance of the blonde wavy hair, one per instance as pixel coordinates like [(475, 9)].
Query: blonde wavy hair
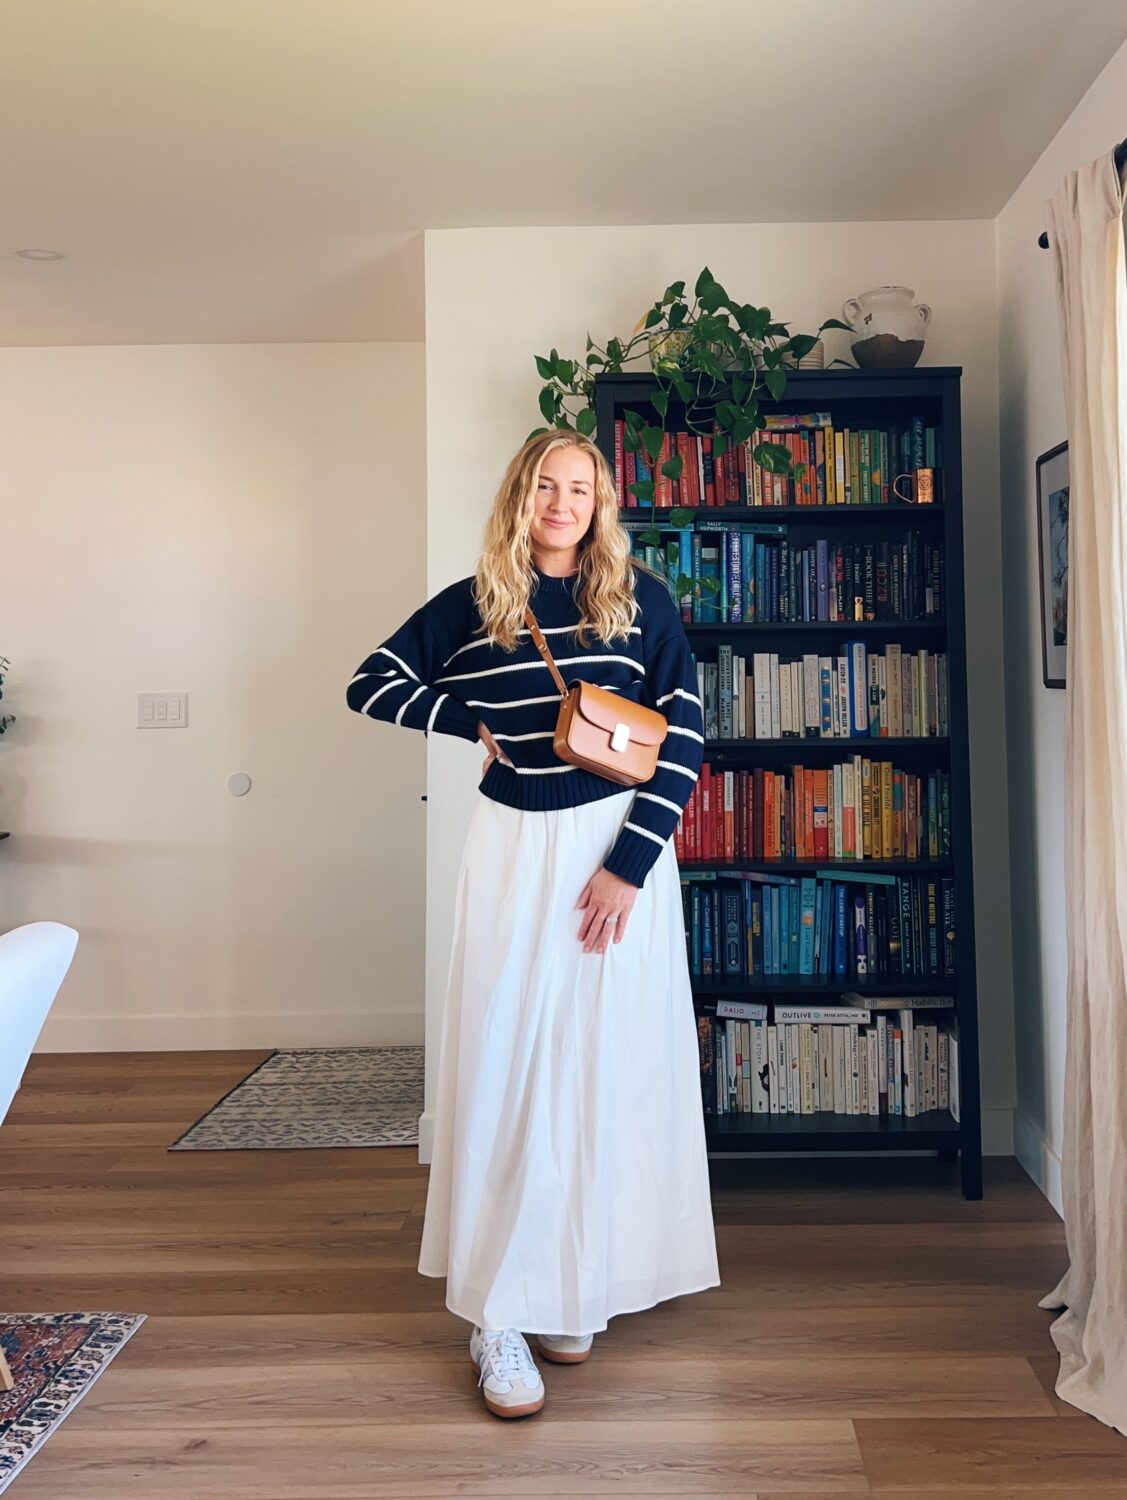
[(504, 577)]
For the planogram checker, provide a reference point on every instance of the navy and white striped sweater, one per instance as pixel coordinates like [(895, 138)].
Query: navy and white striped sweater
[(439, 672)]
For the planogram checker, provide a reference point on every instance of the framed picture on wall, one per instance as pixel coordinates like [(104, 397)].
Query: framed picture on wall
[(1052, 551)]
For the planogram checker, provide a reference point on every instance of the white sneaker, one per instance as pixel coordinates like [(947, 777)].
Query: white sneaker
[(507, 1375), (565, 1348)]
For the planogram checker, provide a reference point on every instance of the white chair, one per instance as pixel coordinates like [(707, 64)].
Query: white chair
[(34, 960)]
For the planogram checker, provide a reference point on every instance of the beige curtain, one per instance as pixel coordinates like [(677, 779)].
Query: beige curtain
[(1086, 235)]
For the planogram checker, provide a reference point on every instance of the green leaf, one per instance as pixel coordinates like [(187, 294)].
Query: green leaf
[(634, 419), (585, 421), (677, 314), (719, 445), (705, 279), (773, 457), (543, 368), (672, 467), (801, 344), (549, 403), (681, 386), (836, 323), (630, 440), (563, 423), (654, 317), (653, 437), (741, 390), (776, 382), (681, 515), (798, 471), (590, 345), (643, 488), (674, 290), (536, 431), (661, 403), (649, 538)]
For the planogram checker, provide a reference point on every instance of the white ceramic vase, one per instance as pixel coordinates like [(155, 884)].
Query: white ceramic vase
[(888, 327)]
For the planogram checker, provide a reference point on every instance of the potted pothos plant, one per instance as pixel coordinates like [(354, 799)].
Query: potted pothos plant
[(714, 359)]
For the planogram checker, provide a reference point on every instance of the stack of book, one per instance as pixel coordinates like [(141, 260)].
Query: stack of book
[(843, 466), (746, 925), (763, 578), (858, 809), (862, 1057), (890, 693)]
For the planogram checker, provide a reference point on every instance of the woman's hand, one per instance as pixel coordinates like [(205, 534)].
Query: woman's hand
[(605, 895), (495, 751)]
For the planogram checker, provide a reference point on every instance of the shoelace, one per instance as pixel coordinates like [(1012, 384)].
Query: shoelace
[(506, 1355)]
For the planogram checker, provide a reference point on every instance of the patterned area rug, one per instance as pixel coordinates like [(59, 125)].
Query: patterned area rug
[(55, 1358), (315, 1097)]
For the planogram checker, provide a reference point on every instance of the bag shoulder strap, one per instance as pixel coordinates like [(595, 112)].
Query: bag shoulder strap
[(542, 646)]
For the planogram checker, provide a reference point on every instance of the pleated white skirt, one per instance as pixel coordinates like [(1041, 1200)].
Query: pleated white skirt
[(569, 1175)]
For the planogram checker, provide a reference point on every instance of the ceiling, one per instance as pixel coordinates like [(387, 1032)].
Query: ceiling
[(246, 170)]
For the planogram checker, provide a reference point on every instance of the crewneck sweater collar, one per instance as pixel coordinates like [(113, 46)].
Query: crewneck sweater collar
[(547, 584)]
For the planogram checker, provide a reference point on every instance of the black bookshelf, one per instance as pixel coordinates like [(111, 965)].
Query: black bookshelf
[(856, 398)]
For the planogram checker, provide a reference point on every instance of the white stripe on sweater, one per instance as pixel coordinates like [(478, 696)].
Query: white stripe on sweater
[(385, 652), (523, 666), (679, 693), (483, 640), (644, 831), (395, 682)]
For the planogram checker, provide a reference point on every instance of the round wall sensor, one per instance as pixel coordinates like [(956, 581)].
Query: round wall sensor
[(238, 784), (35, 252)]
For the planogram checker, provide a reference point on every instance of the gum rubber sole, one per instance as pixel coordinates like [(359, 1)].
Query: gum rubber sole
[(563, 1359), (507, 1411)]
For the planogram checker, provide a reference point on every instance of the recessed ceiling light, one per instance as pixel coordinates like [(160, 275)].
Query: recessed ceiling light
[(42, 254)]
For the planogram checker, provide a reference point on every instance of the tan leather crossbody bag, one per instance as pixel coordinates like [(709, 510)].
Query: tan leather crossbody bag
[(600, 731)]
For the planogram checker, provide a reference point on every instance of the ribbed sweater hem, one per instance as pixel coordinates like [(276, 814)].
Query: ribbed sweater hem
[(633, 857), (545, 793)]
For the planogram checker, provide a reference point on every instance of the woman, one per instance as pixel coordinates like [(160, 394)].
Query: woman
[(569, 1180)]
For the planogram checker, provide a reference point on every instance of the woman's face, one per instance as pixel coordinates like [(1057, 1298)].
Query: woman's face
[(565, 503)]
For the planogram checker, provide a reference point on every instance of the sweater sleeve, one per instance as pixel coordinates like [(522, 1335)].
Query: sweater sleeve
[(671, 676), (393, 683)]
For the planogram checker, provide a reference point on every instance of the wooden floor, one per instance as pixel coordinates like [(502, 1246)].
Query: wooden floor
[(872, 1336)]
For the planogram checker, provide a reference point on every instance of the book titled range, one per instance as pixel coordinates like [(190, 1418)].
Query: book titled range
[(803, 1061), (770, 580), (859, 694), (859, 809), (840, 466), (755, 927)]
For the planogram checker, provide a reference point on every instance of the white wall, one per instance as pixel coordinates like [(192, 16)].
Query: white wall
[(496, 297), (244, 523), (1032, 421)]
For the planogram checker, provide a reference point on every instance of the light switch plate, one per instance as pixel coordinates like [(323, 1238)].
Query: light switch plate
[(162, 710)]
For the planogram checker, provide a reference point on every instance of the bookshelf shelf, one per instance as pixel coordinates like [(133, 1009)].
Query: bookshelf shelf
[(937, 1129), (843, 869), (871, 748), (807, 984), (887, 537), (826, 515), (874, 630)]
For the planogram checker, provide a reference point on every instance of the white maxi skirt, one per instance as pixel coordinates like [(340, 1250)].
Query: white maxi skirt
[(569, 1174)]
